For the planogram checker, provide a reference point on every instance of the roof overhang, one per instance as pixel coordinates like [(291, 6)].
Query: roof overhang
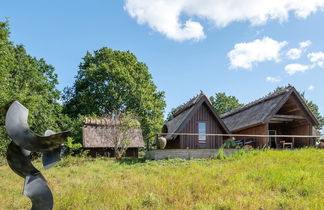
[(311, 116)]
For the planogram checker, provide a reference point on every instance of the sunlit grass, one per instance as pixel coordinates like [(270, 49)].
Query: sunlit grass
[(289, 179)]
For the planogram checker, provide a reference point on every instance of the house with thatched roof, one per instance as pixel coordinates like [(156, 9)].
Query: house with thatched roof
[(197, 116), (281, 113), (99, 137)]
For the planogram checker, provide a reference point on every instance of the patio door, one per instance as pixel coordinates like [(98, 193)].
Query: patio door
[(272, 140)]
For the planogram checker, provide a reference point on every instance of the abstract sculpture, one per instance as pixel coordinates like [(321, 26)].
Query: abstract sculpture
[(25, 141)]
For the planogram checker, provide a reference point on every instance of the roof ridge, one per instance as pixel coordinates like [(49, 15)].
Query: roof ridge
[(258, 101), (108, 120), (191, 102)]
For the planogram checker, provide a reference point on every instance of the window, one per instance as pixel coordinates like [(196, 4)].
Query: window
[(202, 132)]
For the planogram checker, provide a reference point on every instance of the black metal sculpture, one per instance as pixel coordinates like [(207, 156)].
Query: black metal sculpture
[(25, 141)]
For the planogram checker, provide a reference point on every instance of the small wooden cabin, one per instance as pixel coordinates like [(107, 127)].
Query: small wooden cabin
[(98, 137), (281, 113), (196, 116)]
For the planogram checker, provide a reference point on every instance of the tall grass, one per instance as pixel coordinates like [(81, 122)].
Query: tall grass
[(288, 179)]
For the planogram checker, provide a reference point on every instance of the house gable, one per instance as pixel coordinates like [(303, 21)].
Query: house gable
[(204, 107), (213, 126), (178, 123), (293, 104)]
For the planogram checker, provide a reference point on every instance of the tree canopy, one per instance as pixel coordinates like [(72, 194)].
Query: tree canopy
[(111, 81), (315, 110), (171, 113), (224, 103), (32, 82)]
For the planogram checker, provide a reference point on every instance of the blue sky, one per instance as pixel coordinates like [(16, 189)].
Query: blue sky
[(241, 50)]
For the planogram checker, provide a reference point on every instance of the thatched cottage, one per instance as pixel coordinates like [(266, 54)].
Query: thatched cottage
[(98, 137)]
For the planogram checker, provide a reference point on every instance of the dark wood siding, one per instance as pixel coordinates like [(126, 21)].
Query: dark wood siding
[(202, 114), (173, 144), (302, 130), (256, 130)]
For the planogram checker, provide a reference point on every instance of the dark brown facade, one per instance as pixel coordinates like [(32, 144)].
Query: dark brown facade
[(260, 129), (199, 111)]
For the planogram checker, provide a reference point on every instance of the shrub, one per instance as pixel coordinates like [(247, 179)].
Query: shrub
[(72, 147), (221, 154), (150, 201), (230, 144)]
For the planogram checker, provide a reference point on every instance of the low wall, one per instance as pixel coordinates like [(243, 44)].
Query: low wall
[(185, 153)]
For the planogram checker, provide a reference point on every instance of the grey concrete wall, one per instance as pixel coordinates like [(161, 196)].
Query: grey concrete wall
[(185, 153)]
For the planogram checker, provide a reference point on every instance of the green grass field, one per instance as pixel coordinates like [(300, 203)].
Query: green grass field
[(290, 179)]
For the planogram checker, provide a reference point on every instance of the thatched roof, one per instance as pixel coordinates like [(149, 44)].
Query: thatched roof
[(189, 104), (183, 112), (262, 110), (98, 133)]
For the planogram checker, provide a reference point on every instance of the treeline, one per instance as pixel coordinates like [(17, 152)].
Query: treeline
[(108, 81), (32, 82)]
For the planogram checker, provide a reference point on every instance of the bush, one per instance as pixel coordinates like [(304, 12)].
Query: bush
[(72, 147), (221, 154), (230, 145)]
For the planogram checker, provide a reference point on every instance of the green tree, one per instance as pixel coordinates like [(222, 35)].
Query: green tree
[(315, 110), (275, 90), (171, 113), (114, 81), (32, 82), (224, 103), (122, 128)]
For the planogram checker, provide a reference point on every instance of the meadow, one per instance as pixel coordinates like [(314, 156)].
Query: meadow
[(269, 179)]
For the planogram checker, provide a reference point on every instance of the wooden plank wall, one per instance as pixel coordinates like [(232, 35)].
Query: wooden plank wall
[(257, 130), (203, 114), (301, 130)]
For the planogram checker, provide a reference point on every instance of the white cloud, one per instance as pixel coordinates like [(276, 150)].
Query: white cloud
[(273, 79), (164, 15), (317, 58), (292, 69), (294, 53), (311, 87), (305, 44), (245, 55)]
